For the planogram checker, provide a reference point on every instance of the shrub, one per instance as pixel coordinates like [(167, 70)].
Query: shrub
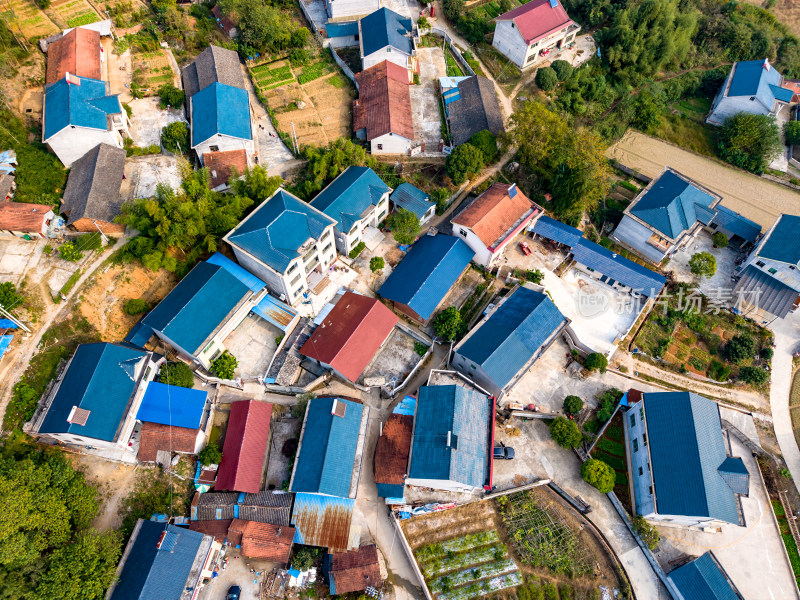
[(70, 252), (647, 532), (565, 433), (447, 323), (357, 250), (749, 141), (718, 371), (767, 353), (573, 405), (720, 240), (546, 78), (464, 162), (177, 374), (404, 225), (175, 137), (376, 263), (210, 455), (154, 149), (441, 197), (791, 132), (607, 401), (224, 367), (48, 249), (10, 298), (171, 96), (486, 142), (598, 474), (703, 264), (535, 276), (420, 348), (739, 348), (562, 69), (136, 306), (596, 362), (89, 241), (754, 375)]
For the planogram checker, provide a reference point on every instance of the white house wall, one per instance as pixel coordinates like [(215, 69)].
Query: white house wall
[(390, 144), (349, 9), (482, 254), (71, 143), (386, 53), (729, 107), (442, 484)]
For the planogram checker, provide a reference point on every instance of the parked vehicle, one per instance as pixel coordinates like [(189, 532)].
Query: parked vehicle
[(503, 453), (526, 250), (234, 593)]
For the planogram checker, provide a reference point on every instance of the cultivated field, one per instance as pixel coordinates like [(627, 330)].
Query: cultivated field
[(73, 13), (29, 18), (152, 70)]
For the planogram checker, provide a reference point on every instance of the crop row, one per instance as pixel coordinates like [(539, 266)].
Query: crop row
[(454, 562), (481, 589), (453, 580)]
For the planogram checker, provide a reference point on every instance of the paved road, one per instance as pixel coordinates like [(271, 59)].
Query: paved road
[(787, 333)]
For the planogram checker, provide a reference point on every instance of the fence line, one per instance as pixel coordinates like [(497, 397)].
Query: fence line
[(456, 52), (342, 65)]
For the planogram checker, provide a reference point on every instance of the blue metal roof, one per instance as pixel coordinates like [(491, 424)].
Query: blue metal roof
[(703, 579), (557, 231), (668, 205), (349, 195), (687, 448), (84, 105), (172, 405), (426, 274), (462, 412), (737, 224), (139, 334), (276, 230), (735, 474), (412, 198), (238, 271), (384, 28), (100, 379), (197, 306), (783, 243), (322, 521), (327, 452), (407, 407), (627, 272), (751, 78), (513, 334), (334, 30), (150, 572), (781, 93), (222, 109), (390, 491)]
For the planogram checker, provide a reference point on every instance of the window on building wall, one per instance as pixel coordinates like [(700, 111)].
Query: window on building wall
[(650, 490), (214, 148), (295, 280), (463, 232), (641, 413), (759, 263), (641, 471), (644, 438), (773, 271), (292, 267), (633, 420), (326, 248), (635, 444), (380, 146)]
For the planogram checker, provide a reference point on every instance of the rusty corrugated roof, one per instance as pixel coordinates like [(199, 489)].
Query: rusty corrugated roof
[(322, 521)]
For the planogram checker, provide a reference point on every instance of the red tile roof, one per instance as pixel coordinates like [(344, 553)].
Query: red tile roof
[(351, 334), (537, 19), (219, 165), (217, 528), (392, 450), (245, 447), (262, 540), (356, 570), (78, 52), (494, 212), (155, 436), (18, 216), (384, 102)]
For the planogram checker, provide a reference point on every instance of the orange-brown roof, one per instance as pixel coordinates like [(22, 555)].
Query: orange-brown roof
[(392, 450), (155, 436), (77, 52), (219, 165), (216, 528), (18, 216), (384, 102), (355, 570), (494, 212), (262, 540)]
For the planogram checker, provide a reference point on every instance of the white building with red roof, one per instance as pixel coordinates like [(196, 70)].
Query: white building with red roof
[(529, 33)]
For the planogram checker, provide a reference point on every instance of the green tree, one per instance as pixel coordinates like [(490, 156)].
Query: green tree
[(263, 27), (70, 252), (423, 23), (739, 348), (546, 78), (647, 111), (541, 136), (755, 375), (565, 433), (464, 162), (791, 133), (255, 183), (486, 142), (703, 264), (210, 455), (647, 532), (305, 557), (441, 197), (10, 298), (376, 263), (562, 68), (749, 141), (176, 373), (136, 306), (225, 365), (719, 239), (598, 474), (573, 405), (171, 96), (404, 225), (324, 164), (175, 138), (596, 362), (448, 323)]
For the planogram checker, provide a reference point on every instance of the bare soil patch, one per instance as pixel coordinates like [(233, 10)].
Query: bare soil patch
[(787, 12)]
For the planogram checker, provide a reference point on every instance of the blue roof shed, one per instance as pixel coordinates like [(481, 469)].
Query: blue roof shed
[(704, 579), (84, 105), (783, 243), (737, 224), (349, 195), (197, 306), (326, 457), (222, 109), (426, 274), (451, 436), (384, 28), (100, 379), (513, 334), (276, 230), (412, 199), (557, 231), (172, 405), (242, 274)]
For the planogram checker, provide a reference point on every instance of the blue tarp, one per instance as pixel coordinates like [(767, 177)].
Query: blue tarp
[(7, 324), (335, 30), (5, 340), (242, 274), (172, 405), (407, 406)]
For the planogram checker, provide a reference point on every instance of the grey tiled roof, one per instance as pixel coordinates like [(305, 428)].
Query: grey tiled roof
[(93, 187), (761, 289), (208, 505), (266, 507), (212, 65), (476, 110)]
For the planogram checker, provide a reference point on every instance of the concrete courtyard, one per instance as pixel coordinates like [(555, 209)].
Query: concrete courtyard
[(425, 98), (147, 120), (17, 257), (253, 344), (395, 360), (712, 287)]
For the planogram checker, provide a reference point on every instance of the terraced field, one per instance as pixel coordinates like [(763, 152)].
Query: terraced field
[(28, 18)]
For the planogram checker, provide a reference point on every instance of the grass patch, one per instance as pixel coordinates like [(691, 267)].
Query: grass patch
[(453, 67), (312, 72), (336, 82), (83, 19), (686, 133), (68, 285)]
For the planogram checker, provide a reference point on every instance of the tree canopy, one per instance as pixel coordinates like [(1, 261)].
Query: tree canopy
[(176, 373), (324, 163), (447, 323), (703, 264), (404, 225), (749, 141), (546, 78), (264, 27), (464, 162), (565, 433), (598, 474)]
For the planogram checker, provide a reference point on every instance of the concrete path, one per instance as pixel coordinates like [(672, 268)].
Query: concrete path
[(787, 334)]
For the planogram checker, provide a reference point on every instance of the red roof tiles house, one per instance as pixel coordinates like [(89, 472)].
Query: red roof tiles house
[(537, 19), (392, 450), (245, 447), (351, 334), (77, 52), (27, 218), (262, 540), (354, 571), (216, 528), (155, 436), (219, 165), (494, 212), (384, 102)]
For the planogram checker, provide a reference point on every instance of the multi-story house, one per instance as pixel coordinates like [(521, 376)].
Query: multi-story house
[(752, 86)]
